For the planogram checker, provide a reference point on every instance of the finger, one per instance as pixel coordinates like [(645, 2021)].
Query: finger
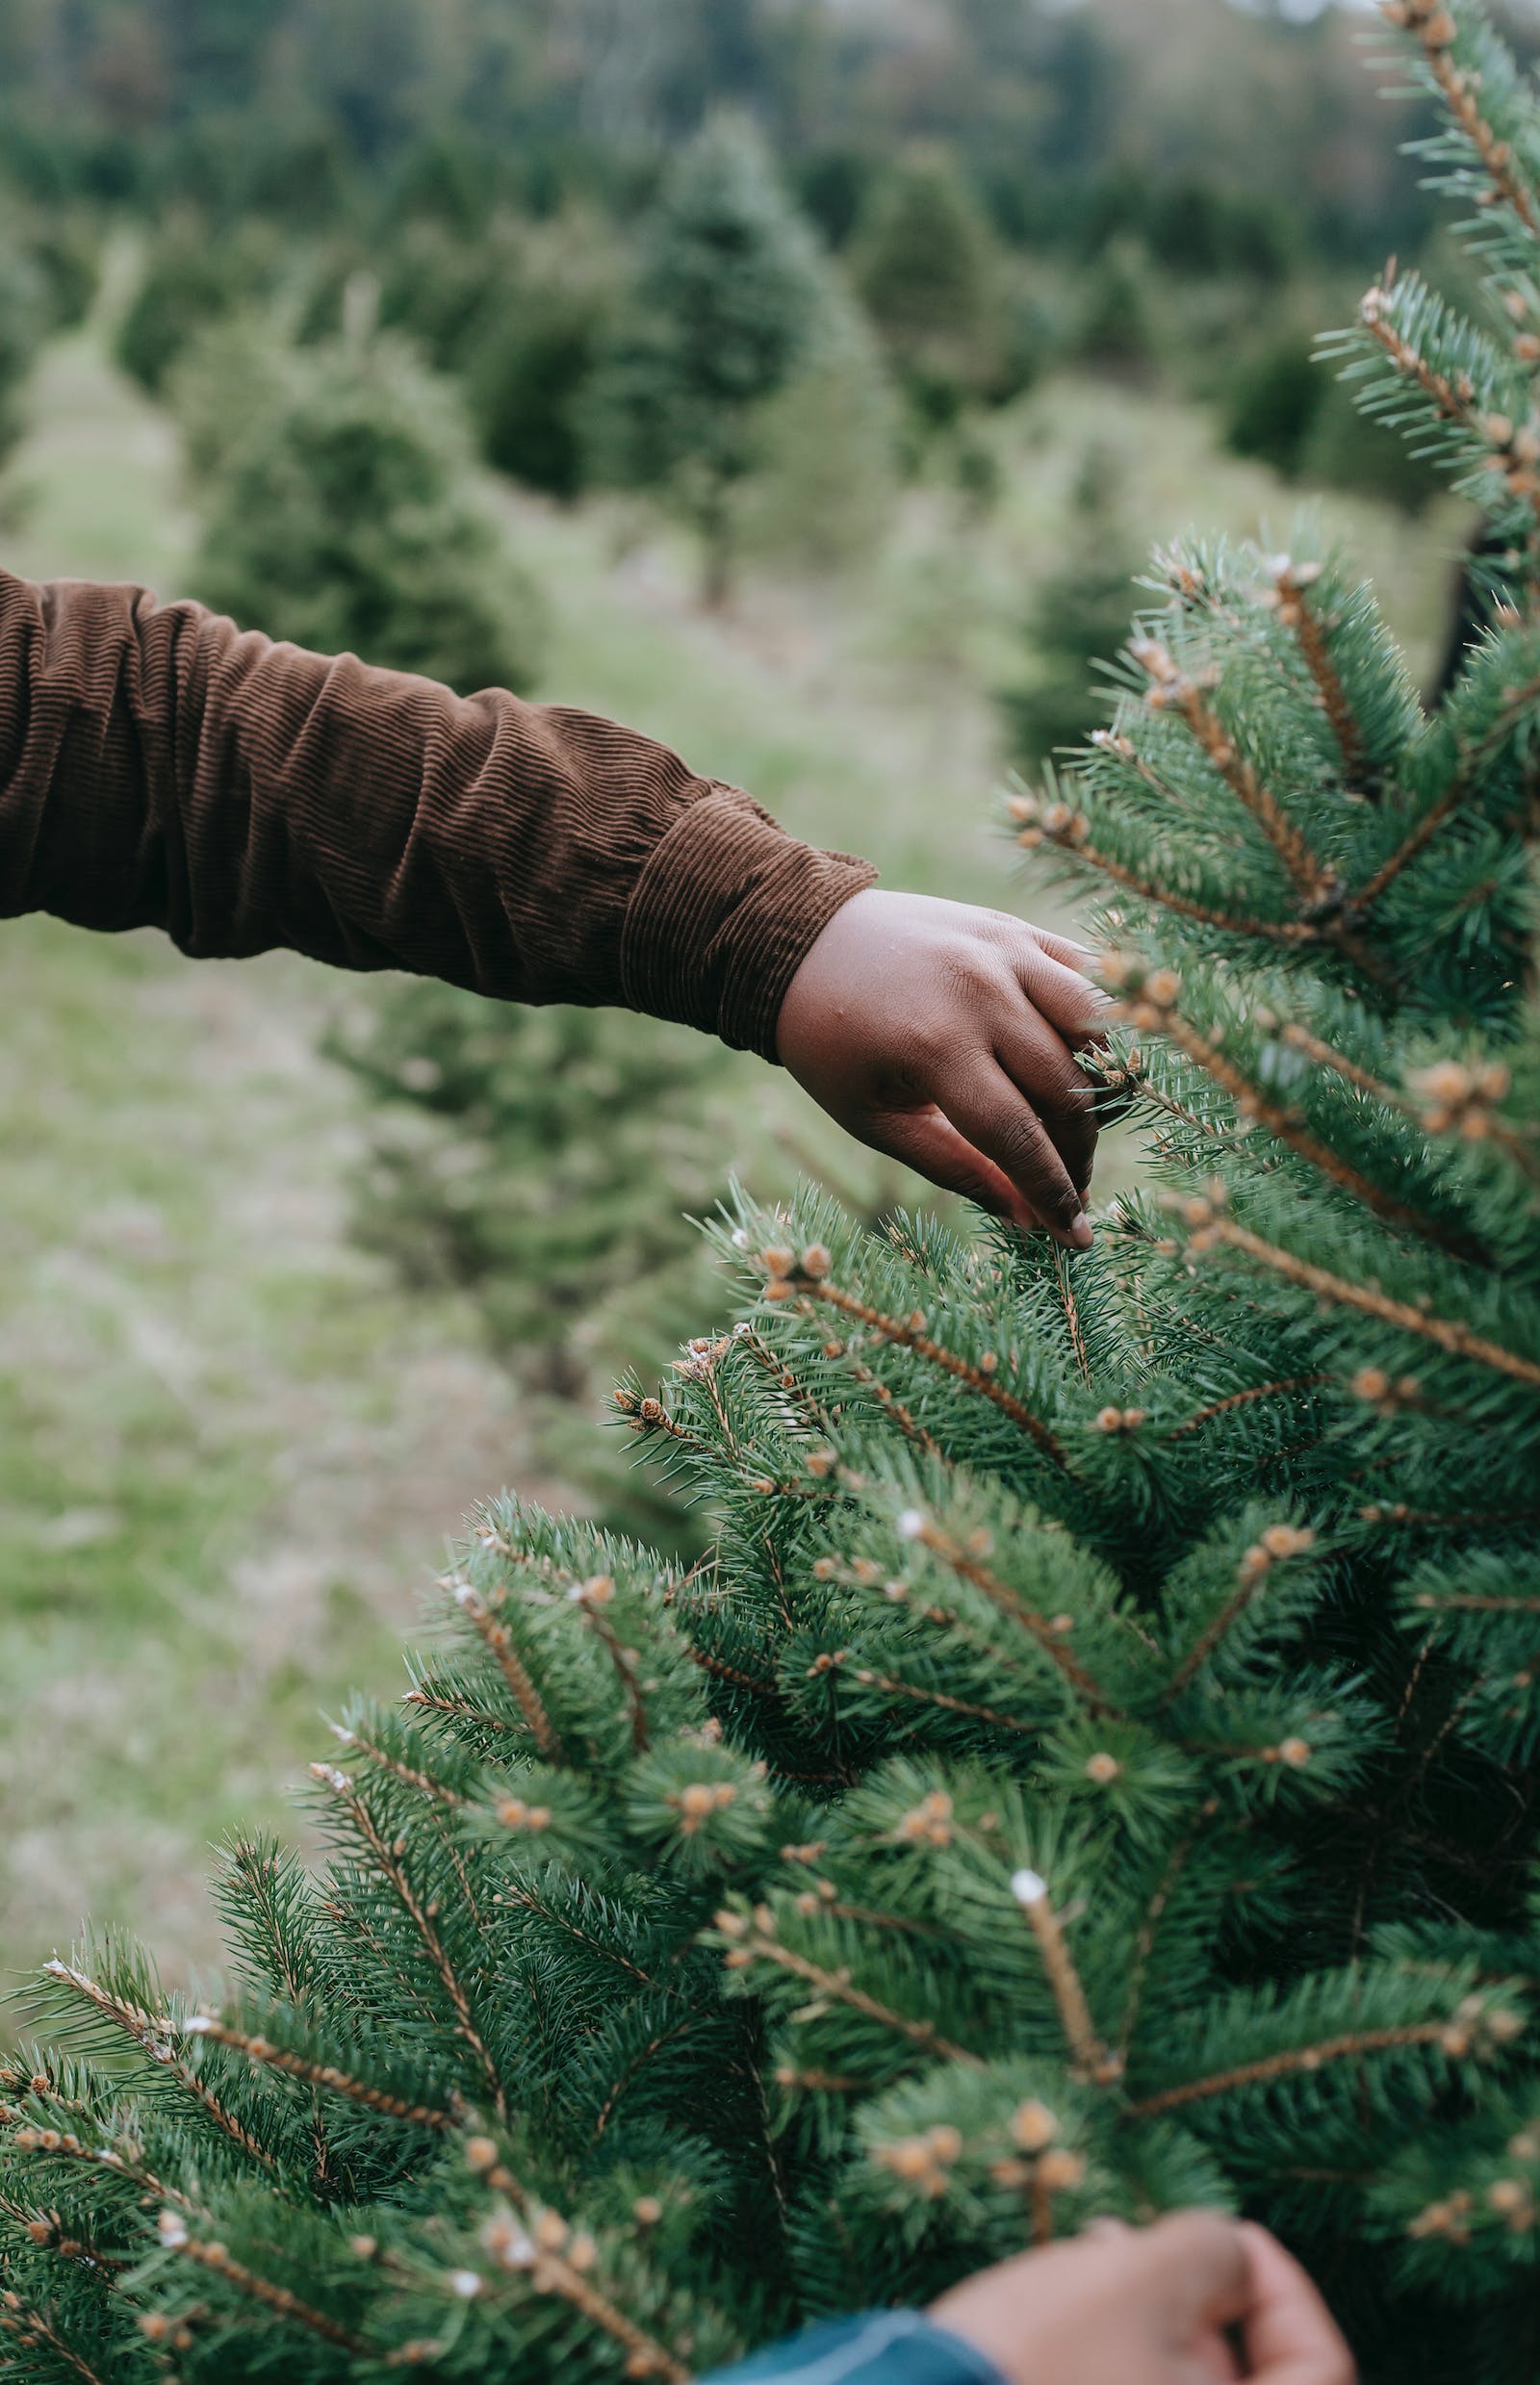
[(929, 1144), (988, 1110), (1291, 2337), (1066, 948), (1061, 991), (1040, 1065), (1197, 2265)]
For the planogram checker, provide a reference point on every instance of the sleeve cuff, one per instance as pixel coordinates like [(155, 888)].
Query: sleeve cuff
[(722, 914)]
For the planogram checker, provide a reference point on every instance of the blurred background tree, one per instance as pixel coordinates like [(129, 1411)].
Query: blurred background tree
[(719, 312), (924, 262), (1071, 624), (340, 515)]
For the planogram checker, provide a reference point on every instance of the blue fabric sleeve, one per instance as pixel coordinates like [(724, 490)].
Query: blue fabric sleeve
[(880, 2347)]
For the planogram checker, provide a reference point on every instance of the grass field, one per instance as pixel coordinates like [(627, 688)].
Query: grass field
[(230, 1446)]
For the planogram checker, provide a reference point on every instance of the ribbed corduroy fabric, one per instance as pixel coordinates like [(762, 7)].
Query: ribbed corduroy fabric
[(160, 767)]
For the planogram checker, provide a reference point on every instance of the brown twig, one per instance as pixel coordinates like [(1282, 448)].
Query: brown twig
[(518, 1894), (1271, 931), (552, 2275), (214, 2258), (498, 1641), (1031, 1893), (892, 1406), (653, 2046), (908, 1335), (1297, 613), (1288, 1127), (413, 1778), (1468, 1604), (1507, 1138), (1448, 1332), (1071, 1309), (151, 2031), (1431, 21), (262, 2051), (1176, 1864), (1244, 1399), (839, 1989), (1312, 882), (28, 2325), (460, 1709), (1208, 1639), (1009, 1603), (70, 2147), (392, 1871), (1306, 2058), (989, 1714), (739, 1680)]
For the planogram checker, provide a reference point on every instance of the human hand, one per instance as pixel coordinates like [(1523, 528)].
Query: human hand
[(944, 1035), (1152, 2306)]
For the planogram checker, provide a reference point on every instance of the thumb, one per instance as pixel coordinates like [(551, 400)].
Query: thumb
[(1196, 2268), (1291, 2337)]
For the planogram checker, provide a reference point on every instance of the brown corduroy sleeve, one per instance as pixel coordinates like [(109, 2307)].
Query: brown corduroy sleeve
[(159, 767)]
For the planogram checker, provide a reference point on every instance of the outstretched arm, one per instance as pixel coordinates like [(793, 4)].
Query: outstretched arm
[(160, 767)]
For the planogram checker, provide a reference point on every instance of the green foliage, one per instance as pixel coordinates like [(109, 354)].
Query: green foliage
[(536, 350), (441, 286), (194, 275), (23, 319), (1087, 1773), (1273, 402), (725, 303), (1112, 326), (1077, 617), (340, 513), (1284, 409), (1194, 227), (924, 262), (826, 487), (548, 1162), (64, 253)]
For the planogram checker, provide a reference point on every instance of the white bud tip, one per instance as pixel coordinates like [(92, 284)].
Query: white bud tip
[(740, 1238), (1028, 1887), (911, 1524), (170, 2229), (197, 2024), (466, 2283)]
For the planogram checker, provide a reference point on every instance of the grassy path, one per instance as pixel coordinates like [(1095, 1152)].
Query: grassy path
[(230, 1450)]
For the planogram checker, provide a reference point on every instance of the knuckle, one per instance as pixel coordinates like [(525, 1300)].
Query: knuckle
[(974, 976)]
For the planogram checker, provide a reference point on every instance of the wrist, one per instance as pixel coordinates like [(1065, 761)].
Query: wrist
[(723, 915)]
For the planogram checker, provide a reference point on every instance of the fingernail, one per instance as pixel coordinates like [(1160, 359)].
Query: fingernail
[(1080, 1231)]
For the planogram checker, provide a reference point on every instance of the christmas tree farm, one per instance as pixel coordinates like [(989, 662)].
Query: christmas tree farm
[(1092, 1769)]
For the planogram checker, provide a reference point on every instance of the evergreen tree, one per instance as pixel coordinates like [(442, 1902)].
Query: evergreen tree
[(924, 263), (1077, 617), (548, 1162), (194, 275), (23, 319), (535, 351), (1094, 1769), (726, 295), (340, 514)]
